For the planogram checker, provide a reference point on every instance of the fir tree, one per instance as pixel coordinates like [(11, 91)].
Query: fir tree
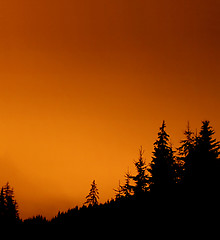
[(185, 156), (141, 179), (8, 205), (118, 191), (208, 145), (2, 205), (93, 196), (127, 188), (188, 143), (162, 166), (206, 157)]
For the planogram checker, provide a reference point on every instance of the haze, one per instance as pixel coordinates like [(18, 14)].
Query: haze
[(83, 84)]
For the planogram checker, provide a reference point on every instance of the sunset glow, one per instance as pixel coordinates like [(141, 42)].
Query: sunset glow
[(83, 84)]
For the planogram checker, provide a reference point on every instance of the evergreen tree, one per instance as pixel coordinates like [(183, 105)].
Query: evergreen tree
[(93, 196), (185, 158), (8, 205), (162, 166), (188, 143), (206, 157), (127, 187), (141, 179), (208, 145), (11, 204), (118, 191), (2, 205)]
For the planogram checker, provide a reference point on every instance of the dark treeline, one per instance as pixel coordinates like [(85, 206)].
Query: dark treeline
[(180, 183), (8, 205)]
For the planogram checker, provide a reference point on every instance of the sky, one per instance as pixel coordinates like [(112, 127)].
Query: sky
[(84, 84)]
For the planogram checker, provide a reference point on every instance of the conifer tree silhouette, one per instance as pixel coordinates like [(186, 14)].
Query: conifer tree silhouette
[(162, 166), (197, 171), (185, 156), (188, 143), (206, 157), (2, 205), (141, 179), (11, 204), (8, 205), (118, 191), (127, 188), (93, 196), (208, 145)]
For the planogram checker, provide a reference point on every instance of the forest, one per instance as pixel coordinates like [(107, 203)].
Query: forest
[(182, 183)]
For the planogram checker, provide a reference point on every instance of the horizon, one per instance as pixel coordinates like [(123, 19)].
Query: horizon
[(85, 84)]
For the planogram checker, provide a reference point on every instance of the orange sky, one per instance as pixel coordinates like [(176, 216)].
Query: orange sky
[(84, 83)]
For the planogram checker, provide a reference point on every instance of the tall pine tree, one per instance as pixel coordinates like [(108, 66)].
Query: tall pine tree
[(93, 196), (118, 191), (162, 167), (185, 157), (8, 205), (2, 205), (127, 188), (141, 179), (206, 157)]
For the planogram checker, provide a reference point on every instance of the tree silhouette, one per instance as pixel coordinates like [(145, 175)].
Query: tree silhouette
[(8, 205), (119, 191), (162, 166), (141, 179), (185, 156), (39, 219), (93, 196), (127, 188), (206, 157), (188, 143), (2, 205), (11, 204), (171, 185), (209, 146)]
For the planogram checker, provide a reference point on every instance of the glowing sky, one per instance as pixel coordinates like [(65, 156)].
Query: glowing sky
[(84, 83)]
